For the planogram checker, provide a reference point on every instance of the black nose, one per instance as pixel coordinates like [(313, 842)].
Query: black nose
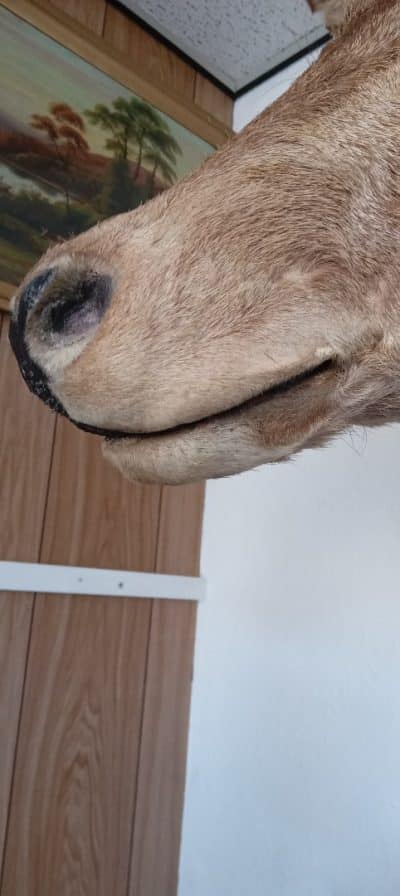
[(59, 306)]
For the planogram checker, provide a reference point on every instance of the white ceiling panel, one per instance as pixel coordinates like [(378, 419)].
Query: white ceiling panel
[(236, 41)]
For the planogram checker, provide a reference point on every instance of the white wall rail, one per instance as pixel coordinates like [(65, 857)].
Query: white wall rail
[(54, 579)]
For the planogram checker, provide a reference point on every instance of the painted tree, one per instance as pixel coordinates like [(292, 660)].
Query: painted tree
[(119, 121), (160, 166), (133, 126), (148, 123), (161, 153), (118, 193), (64, 129)]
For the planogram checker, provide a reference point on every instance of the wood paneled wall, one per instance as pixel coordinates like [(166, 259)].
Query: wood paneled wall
[(94, 692)]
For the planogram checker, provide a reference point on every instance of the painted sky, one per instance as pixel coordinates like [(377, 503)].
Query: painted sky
[(36, 71)]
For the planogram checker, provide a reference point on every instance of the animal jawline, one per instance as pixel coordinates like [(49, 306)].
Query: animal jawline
[(281, 388)]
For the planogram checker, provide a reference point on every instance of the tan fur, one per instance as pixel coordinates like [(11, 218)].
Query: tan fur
[(339, 14), (280, 252)]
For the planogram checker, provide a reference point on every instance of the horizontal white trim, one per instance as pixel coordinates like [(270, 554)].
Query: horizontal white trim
[(52, 579)]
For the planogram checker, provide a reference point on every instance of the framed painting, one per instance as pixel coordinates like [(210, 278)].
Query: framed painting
[(82, 135)]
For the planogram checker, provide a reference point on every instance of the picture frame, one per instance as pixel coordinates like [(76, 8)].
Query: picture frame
[(180, 131)]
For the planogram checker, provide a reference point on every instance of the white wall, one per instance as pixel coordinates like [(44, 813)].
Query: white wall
[(293, 785), (251, 104)]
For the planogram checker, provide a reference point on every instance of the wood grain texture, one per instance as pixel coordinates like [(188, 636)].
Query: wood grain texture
[(91, 13), (73, 800), (27, 428), (213, 100), (181, 520), (15, 620), (94, 516), (75, 779), (25, 456), (155, 60), (162, 766)]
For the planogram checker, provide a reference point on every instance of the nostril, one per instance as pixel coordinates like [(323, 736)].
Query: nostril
[(71, 306), (59, 308), (63, 315), (32, 294)]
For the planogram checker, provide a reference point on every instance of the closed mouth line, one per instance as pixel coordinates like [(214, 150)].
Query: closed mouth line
[(281, 388)]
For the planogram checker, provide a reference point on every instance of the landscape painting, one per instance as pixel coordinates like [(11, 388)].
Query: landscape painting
[(75, 146)]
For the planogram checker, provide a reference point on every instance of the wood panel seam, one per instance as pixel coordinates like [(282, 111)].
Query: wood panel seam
[(103, 24), (138, 767), (18, 731), (142, 716), (46, 500)]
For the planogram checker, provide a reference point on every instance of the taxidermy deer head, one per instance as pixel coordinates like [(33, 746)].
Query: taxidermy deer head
[(253, 309)]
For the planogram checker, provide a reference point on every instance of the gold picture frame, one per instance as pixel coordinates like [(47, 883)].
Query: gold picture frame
[(102, 58)]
